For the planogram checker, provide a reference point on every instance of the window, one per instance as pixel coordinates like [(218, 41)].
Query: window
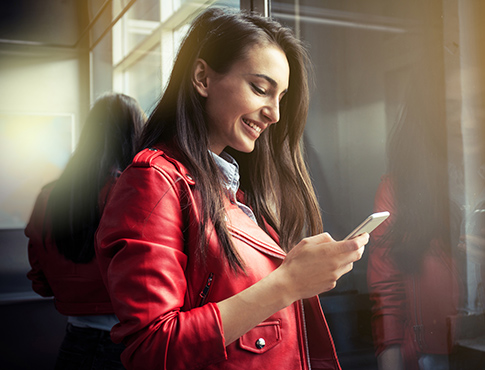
[(397, 102), (396, 119), (135, 55)]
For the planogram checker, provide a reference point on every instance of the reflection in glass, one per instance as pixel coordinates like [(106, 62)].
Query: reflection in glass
[(365, 55), (411, 269)]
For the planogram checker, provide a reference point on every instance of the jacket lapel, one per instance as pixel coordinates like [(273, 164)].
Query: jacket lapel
[(246, 230)]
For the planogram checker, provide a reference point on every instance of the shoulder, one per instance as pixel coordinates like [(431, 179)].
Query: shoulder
[(385, 200), (386, 187), (46, 190), (43, 196), (164, 160), (387, 180), (36, 220)]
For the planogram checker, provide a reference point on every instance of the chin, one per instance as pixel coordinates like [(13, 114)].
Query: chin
[(244, 148), (247, 149)]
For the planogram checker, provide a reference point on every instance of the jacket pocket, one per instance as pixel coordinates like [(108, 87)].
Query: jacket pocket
[(262, 338)]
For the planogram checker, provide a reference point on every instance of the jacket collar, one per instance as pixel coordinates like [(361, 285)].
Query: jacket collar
[(239, 224)]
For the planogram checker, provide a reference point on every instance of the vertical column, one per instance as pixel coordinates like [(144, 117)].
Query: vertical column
[(465, 70), (261, 6), (472, 61)]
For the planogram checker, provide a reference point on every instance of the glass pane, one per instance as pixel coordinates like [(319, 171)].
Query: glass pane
[(103, 14), (101, 67), (140, 21), (143, 80), (145, 42), (396, 123), (228, 3)]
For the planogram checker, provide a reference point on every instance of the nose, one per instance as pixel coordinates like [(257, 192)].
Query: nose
[(271, 111)]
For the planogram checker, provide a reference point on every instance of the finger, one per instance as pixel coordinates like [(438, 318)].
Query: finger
[(360, 252), (351, 257), (326, 237), (363, 239), (354, 244), (345, 269), (320, 238)]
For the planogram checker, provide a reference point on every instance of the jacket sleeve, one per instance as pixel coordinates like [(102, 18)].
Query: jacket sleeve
[(385, 281), (140, 249), (34, 232)]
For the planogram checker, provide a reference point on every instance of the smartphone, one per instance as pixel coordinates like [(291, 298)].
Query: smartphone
[(369, 224)]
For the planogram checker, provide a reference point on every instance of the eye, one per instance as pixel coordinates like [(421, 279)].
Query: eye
[(258, 90)]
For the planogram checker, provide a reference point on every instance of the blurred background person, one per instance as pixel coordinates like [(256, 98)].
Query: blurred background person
[(62, 227), (412, 276)]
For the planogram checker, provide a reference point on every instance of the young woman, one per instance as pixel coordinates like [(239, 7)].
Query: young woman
[(62, 226), (202, 274)]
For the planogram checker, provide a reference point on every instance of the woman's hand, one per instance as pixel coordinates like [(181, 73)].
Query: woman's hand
[(315, 264)]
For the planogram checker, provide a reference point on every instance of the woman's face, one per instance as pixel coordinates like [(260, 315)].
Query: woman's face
[(245, 101)]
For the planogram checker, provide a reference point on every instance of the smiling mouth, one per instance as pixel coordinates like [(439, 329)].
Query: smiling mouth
[(253, 126)]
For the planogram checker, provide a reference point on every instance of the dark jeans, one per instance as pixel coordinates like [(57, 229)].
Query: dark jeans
[(88, 349)]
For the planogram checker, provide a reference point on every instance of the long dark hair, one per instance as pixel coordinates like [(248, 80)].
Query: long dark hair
[(274, 176), (107, 144), (418, 170)]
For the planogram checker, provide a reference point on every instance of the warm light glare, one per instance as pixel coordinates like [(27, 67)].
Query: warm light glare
[(34, 150)]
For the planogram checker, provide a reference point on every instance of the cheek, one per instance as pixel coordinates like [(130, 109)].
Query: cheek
[(246, 103), (235, 105), (233, 102)]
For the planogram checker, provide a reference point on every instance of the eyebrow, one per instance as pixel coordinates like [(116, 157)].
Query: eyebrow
[(270, 80)]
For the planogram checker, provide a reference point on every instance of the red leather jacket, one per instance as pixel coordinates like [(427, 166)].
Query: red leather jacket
[(78, 289), (412, 311), (165, 298)]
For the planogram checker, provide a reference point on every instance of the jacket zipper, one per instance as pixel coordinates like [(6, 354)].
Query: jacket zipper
[(305, 335), (205, 292)]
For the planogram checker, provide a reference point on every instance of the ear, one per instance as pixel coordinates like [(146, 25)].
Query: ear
[(200, 76)]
